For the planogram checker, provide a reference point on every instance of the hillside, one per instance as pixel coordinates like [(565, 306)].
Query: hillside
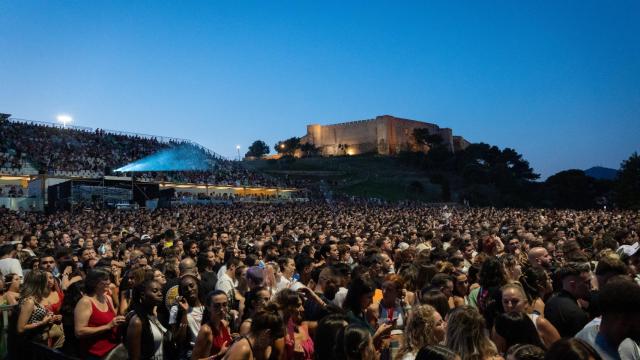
[(362, 176), (601, 173)]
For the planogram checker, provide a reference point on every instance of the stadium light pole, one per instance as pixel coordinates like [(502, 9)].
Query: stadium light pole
[(64, 119), (238, 148)]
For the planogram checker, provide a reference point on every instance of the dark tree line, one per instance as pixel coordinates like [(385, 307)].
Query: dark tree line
[(487, 175)]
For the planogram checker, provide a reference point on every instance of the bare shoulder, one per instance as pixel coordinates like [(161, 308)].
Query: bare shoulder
[(28, 301), (84, 304), (84, 301), (544, 323), (205, 329), (239, 350), (135, 322)]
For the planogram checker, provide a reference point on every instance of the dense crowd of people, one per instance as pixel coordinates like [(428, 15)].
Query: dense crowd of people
[(50, 149), (11, 191), (323, 281)]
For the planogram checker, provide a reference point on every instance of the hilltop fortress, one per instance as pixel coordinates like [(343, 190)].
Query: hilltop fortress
[(384, 135)]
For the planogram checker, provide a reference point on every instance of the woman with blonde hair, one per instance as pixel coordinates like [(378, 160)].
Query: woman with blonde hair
[(31, 320), (424, 327), (514, 299), (466, 335)]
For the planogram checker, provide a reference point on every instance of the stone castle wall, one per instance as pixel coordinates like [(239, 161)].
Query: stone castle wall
[(385, 135)]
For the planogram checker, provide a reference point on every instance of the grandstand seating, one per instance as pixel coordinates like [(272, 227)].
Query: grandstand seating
[(27, 147)]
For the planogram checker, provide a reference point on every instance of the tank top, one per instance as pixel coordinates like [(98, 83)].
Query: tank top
[(290, 338), (55, 308), (220, 337), (534, 319), (157, 331), (100, 344), (38, 314)]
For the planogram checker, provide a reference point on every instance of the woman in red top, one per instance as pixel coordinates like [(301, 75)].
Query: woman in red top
[(213, 338), (296, 343), (53, 302), (96, 322)]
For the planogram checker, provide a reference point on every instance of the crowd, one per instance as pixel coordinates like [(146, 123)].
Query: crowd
[(53, 148), (323, 281), (50, 149), (11, 191)]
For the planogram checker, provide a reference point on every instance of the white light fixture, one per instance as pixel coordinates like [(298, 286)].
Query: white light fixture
[(64, 119)]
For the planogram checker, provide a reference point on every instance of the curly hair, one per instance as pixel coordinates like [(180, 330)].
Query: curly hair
[(492, 273), (418, 331)]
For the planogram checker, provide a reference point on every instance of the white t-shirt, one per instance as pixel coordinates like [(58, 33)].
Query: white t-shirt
[(409, 356), (226, 284), (338, 299), (194, 319), (282, 284), (221, 271), (10, 266), (628, 349)]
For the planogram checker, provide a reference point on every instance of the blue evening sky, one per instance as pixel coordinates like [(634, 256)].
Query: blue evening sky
[(559, 81)]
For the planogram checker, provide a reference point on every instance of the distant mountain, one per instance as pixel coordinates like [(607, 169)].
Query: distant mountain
[(601, 173)]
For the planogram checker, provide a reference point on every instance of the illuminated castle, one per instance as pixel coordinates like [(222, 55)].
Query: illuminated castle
[(385, 135)]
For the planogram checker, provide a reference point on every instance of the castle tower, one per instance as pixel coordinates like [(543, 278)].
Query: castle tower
[(314, 133)]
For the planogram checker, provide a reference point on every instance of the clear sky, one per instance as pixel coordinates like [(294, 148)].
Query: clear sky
[(559, 81)]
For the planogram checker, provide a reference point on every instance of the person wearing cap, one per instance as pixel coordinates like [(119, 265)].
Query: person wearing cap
[(630, 254)]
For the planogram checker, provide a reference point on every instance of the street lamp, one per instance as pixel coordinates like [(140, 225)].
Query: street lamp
[(64, 119), (238, 148)]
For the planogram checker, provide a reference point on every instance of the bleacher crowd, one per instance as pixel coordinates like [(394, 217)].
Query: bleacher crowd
[(320, 281), (97, 153)]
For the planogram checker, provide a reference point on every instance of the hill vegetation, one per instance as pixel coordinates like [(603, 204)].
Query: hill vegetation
[(481, 175)]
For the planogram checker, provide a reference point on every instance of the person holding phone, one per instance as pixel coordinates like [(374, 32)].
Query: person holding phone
[(96, 322), (214, 337), (185, 316)]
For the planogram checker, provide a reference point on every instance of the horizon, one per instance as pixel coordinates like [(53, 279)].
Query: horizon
[(557, 82), (172, 166)]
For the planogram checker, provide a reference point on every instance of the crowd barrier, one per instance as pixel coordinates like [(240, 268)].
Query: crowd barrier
[(38, 351), (4, 328)]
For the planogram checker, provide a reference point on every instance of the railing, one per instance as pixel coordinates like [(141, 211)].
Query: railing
[(4, 328), (38, 351)]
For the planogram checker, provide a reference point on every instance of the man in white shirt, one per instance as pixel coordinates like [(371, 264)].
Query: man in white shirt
[(8, 263), (29, 244), (287, 270), (618, 333), (227, 282)]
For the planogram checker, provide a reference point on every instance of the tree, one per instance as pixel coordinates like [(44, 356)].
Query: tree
[(422, 136), (628, 183), (258, 149), (287, 147), (309, 149), (572, 189)]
